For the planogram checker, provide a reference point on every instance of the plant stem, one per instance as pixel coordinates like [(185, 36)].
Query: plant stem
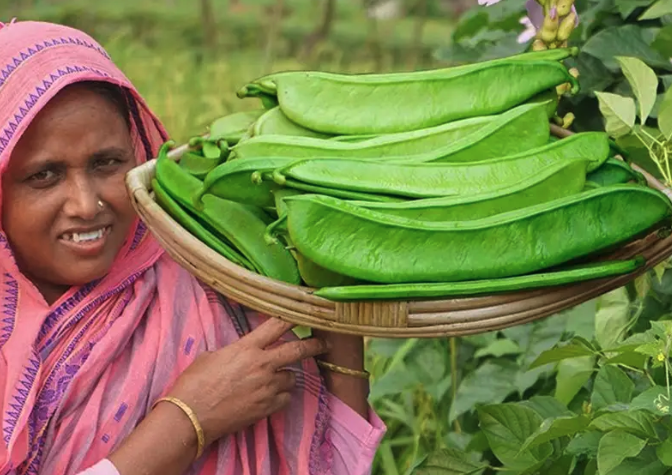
[(454, 378)]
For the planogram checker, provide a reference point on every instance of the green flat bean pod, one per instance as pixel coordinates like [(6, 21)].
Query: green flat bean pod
[(250, 182), (239, 224), (433, 180), (555, 181), (192, 225), (198, 165), (274, 122), (572, 275), (519, 130), (268, 84), (615, 171), (594, 146), (233, 126), (377, 247), (232, 180), (350, 105), (413, 142), (522, 128)]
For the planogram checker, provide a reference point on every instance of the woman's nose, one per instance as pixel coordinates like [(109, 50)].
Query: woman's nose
[(83, 200)]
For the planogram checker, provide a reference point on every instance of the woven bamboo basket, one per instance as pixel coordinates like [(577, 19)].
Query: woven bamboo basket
[(417, 318)]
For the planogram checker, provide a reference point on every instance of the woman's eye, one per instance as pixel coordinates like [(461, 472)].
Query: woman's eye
[(107, 162), (42, 177)]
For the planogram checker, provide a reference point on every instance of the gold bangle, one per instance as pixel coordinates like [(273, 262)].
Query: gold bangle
[(342, 370), (194, 421)]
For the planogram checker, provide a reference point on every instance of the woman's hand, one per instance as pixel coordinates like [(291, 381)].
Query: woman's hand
[(242, 383), (228, 389)]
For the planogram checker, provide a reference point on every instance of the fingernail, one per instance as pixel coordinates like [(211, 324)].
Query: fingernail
[(328, 345)]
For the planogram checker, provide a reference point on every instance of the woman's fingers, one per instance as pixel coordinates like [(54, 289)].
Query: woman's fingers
[(268, 332), (295, 351), (285, 380)]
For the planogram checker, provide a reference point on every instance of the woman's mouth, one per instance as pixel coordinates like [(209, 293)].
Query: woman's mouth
[(87, 243)]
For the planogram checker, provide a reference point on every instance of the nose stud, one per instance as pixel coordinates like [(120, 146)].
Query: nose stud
[(100, 204)]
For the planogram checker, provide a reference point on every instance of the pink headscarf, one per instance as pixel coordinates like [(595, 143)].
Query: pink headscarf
[(80, 374)]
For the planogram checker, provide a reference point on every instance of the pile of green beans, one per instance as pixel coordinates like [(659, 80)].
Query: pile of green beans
[(419, 185)]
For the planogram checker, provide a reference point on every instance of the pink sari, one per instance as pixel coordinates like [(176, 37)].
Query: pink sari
[(78, 376)]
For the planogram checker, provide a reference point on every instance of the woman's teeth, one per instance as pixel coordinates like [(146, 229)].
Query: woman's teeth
[(84, 237)]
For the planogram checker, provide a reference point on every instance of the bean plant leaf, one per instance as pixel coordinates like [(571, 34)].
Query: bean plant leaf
[(571, 376), (585, 443), (614, 448), (626, 40), (665, 115), (646, 463), (506, 427), (563, 351), (653, 400), (449, 462), (643, 81), (491, 383), (620, 113), (658, 9), (664, 452), (547, 407), (555, 428), (639, 423), (611, 386), (498, 348), (612, 317), (626, 7)]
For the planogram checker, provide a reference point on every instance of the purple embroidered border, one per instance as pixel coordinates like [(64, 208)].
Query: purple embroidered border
[(317, 462), (33, 98), (25, 55), (51, 393), (10, 306), (25, 384), (54, 317)]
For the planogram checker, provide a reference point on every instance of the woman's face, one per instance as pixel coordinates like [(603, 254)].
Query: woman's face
[(73, 157)]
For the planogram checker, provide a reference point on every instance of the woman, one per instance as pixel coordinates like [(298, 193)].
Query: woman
[(99, 324)]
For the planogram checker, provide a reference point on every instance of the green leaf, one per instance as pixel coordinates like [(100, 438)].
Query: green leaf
[(644, 83), (611, 387), (626, 7), (631, 343), (491, 383), (628, 358), (665, 115), (662, 42), (547, 407), (595, 76), (585, 444), (664, 452), (667, 81), (555, 428), (499, 348), (626, 40), (507, 426), (571, 376), (637, 423), (612, 317), (620, 113), (653, 400), (658, 9), (473, 21), (614, 448), (580, 320), (646, 463), (562, 351), (449, 462)]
